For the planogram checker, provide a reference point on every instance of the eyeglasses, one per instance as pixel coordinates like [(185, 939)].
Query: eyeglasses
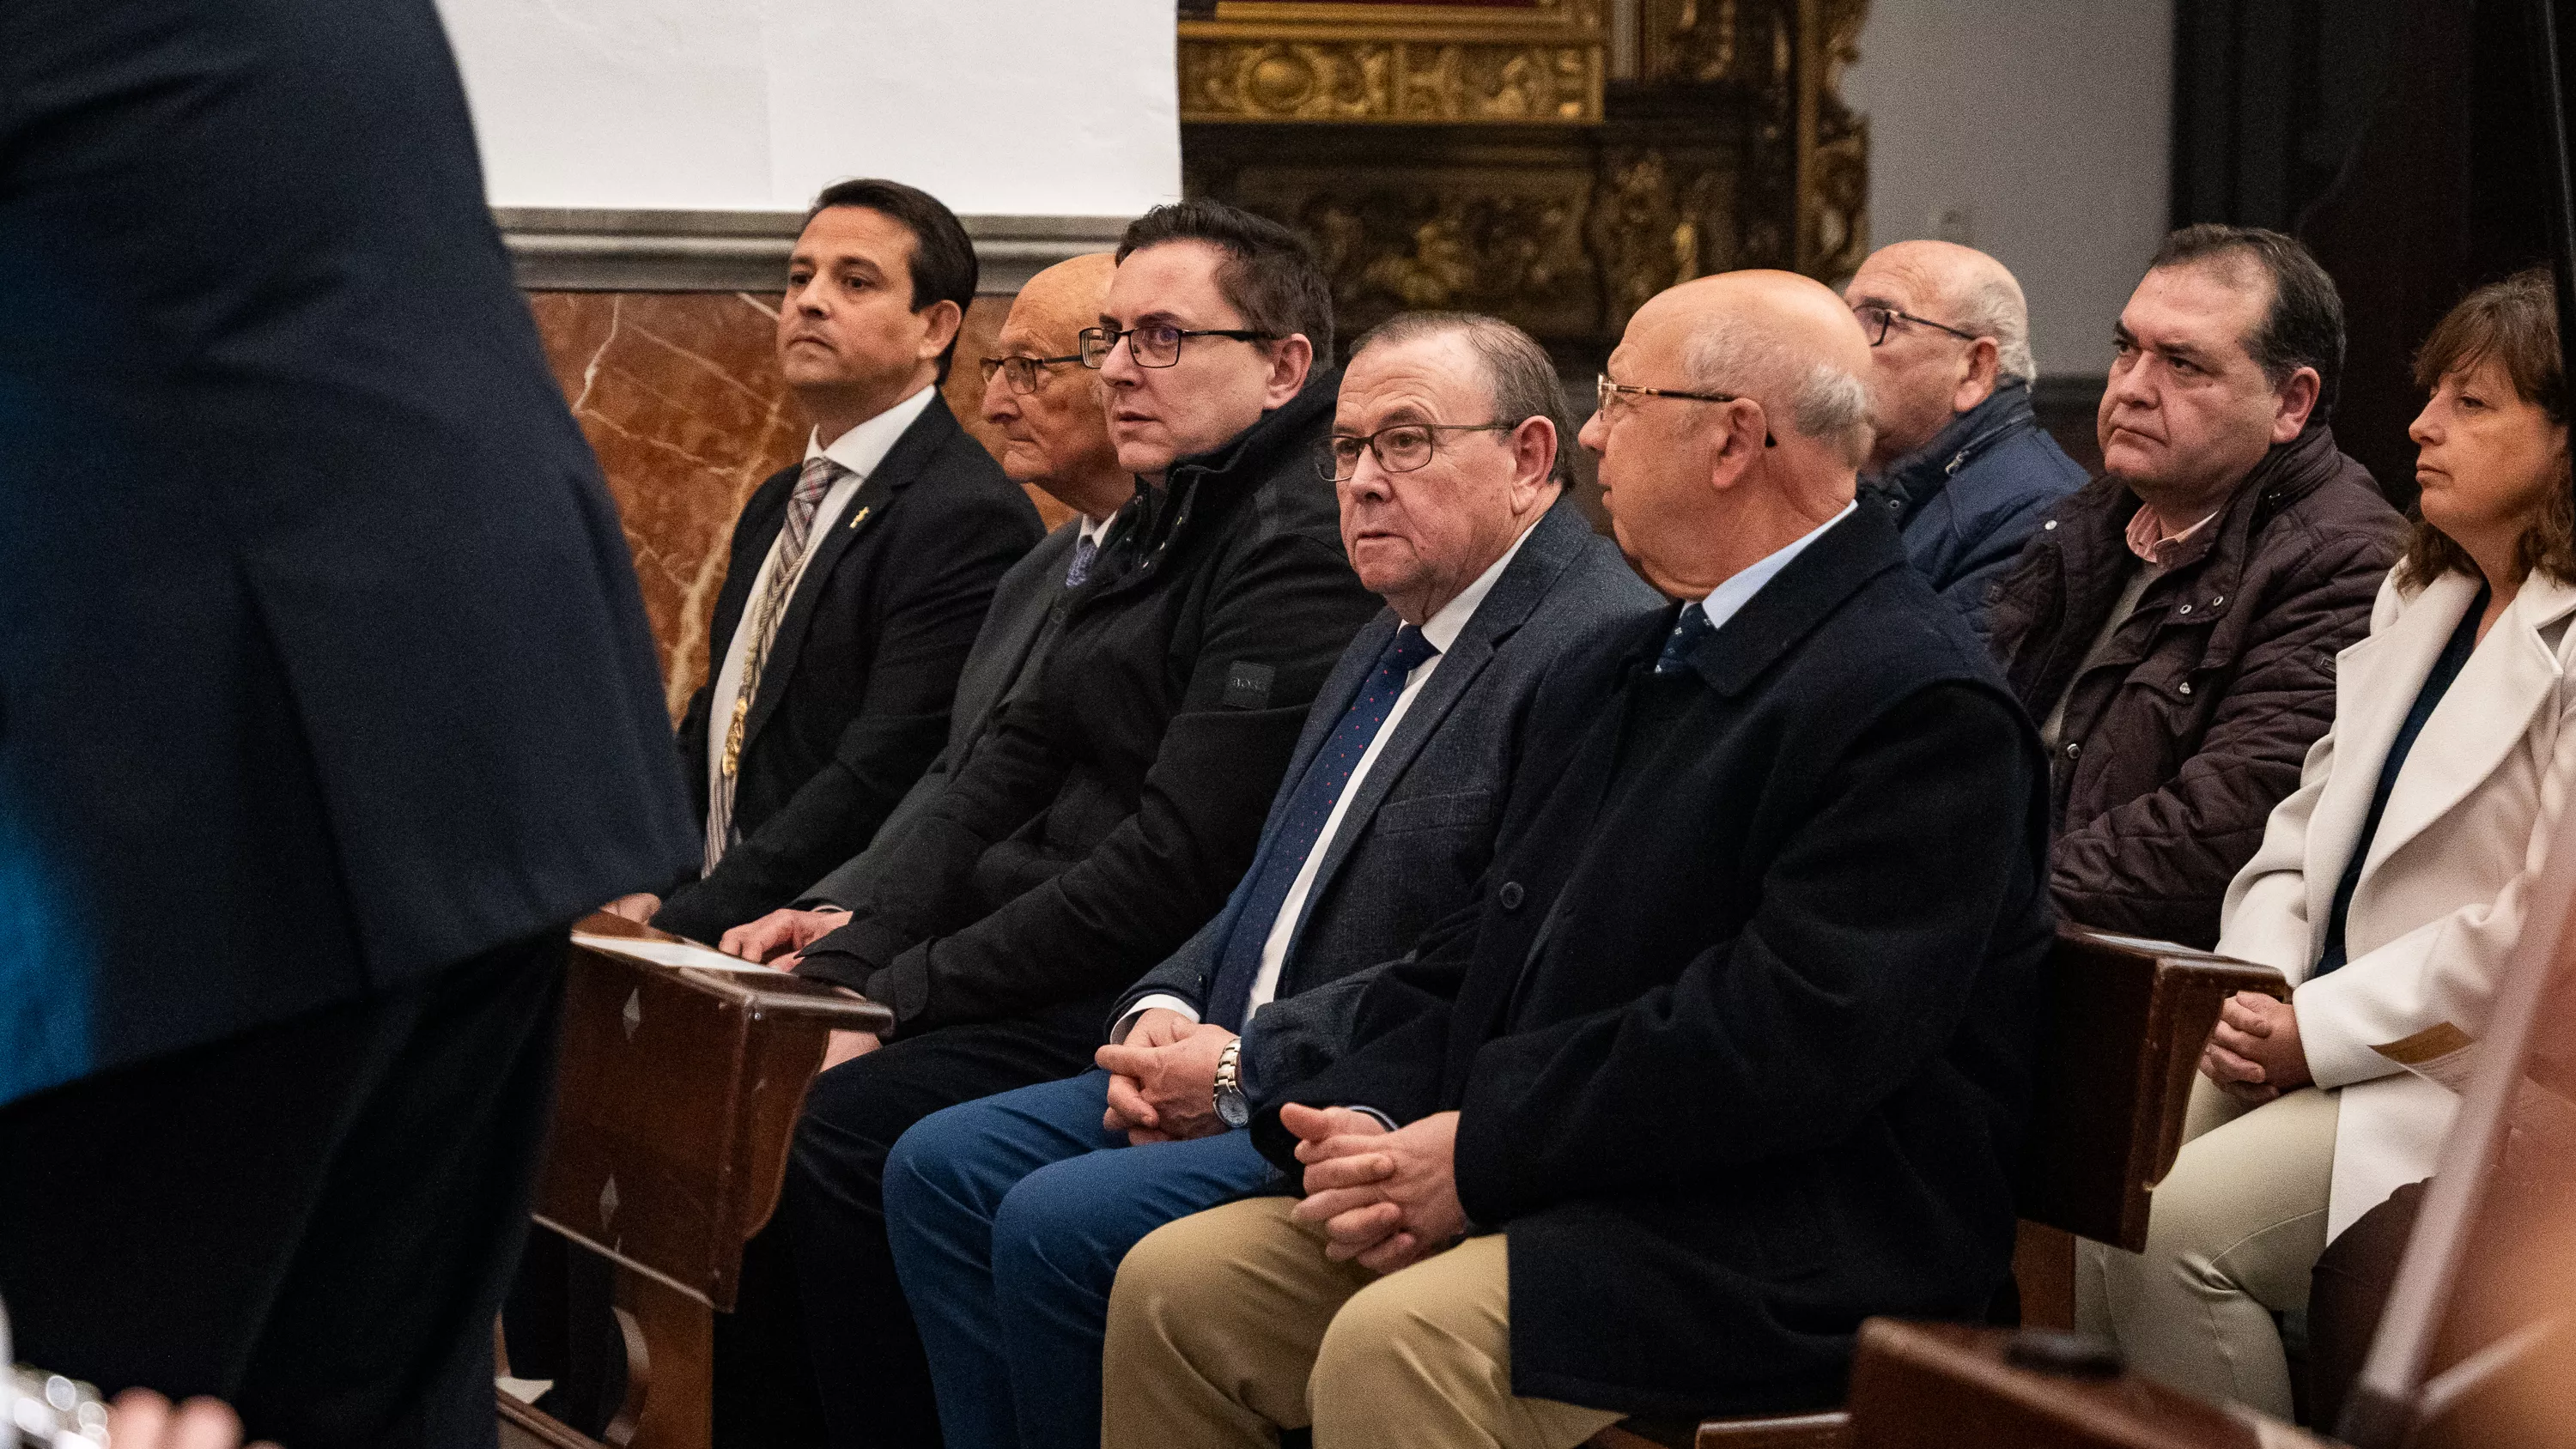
[(1024, 372), (1156, 344), (1609, 402), (1876, 320), (1399, 449)]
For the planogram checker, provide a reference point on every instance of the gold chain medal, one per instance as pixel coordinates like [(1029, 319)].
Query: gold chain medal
[(733, 734)]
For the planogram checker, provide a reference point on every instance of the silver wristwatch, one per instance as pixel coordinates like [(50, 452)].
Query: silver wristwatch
[(1231, 1108)]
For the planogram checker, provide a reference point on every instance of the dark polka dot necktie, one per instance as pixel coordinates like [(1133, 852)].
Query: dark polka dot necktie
[(1300, 824), (1688, 630)]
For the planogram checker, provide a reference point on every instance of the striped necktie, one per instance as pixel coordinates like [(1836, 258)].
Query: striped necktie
[(786, 560)]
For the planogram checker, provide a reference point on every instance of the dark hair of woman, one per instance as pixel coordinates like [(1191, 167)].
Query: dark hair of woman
[(2515, 323)]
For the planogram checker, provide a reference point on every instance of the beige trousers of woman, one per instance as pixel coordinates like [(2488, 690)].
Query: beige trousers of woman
[(1230, 1325), (2235, 1228)]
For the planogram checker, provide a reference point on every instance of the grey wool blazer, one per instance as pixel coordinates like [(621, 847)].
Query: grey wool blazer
[(1421, 827), (1007, 649)]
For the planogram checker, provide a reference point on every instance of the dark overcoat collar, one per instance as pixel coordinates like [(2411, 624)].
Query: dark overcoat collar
[(1803, 595)]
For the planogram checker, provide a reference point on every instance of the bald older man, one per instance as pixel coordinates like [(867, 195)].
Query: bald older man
[(1958, 460), (1726, 1058), (1055, 437)]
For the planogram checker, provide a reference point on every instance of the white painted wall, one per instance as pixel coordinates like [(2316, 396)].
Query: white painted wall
[(2035, 130), (1011, 107)]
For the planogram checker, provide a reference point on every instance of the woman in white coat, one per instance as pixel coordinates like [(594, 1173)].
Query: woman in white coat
[(2389, 887)]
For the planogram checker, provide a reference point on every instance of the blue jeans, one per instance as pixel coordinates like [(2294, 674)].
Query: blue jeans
[(1008, 1218)]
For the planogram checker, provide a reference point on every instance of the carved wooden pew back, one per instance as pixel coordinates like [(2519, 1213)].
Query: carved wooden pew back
[(677, 1103)]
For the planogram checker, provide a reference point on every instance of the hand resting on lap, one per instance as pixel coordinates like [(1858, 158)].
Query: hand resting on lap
[(2254, 1053), (1162, 1086), (1387, 1199)]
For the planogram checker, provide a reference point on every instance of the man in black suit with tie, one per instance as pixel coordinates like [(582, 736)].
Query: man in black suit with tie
[(858, 578), (1009, 1215), (1736, 1048), (326, 701), (1055, 437)]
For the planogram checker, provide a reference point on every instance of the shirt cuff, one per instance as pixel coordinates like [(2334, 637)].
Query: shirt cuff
[(1165, 1000), (1243, 1061)]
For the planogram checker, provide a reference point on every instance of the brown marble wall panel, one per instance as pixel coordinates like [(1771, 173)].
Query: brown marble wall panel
[(679, 395)]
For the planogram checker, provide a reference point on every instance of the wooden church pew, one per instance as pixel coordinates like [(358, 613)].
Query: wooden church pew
[(678, 1096), (1946, 1386), (681, 1088)]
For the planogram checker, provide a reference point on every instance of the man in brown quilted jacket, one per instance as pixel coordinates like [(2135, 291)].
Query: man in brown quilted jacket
[(2173, 625)]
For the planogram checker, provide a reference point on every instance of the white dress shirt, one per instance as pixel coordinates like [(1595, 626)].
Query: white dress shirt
[(859, 451), (1442, 630), (1728, 599)]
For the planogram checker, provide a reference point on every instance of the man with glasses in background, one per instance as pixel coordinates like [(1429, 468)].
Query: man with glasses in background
[(1957, 458), (1105, 817), (1009, 1215)]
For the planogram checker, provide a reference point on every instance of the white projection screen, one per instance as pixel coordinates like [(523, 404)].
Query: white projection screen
[(999, 107)]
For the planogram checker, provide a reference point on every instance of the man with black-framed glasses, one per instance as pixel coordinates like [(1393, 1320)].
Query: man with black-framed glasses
[(1958, 460), (1111, 807)]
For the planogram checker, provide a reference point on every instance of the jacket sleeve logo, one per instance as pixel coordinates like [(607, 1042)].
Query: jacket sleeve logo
[(1247, 685)]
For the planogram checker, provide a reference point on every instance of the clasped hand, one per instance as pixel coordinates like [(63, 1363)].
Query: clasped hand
[(1384, 1198), (2254, 1054), (1162, 1084)]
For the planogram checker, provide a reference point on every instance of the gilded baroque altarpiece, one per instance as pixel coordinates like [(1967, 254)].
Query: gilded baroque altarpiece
[(1555, 162)]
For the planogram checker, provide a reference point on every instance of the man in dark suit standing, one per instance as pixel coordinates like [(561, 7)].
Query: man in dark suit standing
[(1731, 1054), (1055, 437), (326, 701), (1009, 1215), (858, 578)]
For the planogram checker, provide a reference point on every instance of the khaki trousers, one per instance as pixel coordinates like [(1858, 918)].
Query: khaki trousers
[(1230, 1325), (2236, 1227)]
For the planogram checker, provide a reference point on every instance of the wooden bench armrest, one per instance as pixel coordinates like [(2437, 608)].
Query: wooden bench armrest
[(2124, 1025), (679, 1095), (1827, 1430), (769, 994), (1938, 1385)]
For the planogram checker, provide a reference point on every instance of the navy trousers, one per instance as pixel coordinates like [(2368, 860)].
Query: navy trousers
[(1008, 1218), (820, 1349)]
